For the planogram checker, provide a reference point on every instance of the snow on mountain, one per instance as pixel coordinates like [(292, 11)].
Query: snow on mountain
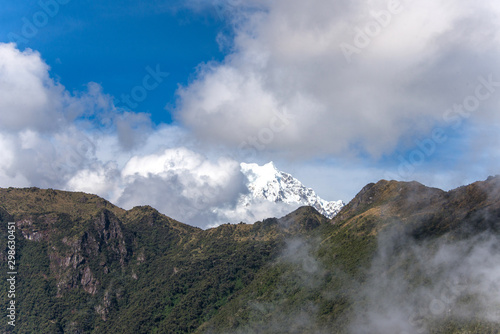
[(268, 183)]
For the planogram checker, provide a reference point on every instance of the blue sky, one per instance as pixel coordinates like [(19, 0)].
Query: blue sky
[(112, 43), (132, 100)]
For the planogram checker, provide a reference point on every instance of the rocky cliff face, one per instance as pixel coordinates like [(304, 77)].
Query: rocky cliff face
[(77, 261)]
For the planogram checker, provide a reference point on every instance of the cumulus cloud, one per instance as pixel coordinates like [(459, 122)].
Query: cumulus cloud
[(251, 210), (183, 183), (47, 134), (101, 179), (22, 73), (81, 142), (45, 160), (420, 59)]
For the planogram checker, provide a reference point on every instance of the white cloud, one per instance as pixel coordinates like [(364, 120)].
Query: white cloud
[(102, 180), (24, 74), (183, 184), (81, 142), (250, 212), (287, 58), (49, 136)]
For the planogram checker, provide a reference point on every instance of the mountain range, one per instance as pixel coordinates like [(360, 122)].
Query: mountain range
[(399, 258)]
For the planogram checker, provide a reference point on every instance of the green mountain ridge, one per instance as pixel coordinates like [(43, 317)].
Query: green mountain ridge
[(391, 261)]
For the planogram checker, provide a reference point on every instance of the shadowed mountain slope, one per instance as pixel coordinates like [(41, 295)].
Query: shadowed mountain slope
[(87, 266)]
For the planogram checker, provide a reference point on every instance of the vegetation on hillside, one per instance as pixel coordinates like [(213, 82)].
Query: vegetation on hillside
[(399, 258)]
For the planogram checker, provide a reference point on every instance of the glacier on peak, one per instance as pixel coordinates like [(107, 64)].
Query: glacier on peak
[(267, 183)]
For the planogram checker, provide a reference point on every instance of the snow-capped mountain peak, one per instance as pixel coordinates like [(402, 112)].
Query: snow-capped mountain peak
[(268, 183), (260, 176)]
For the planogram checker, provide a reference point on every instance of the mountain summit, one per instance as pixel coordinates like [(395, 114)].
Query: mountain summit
[(268, 183)]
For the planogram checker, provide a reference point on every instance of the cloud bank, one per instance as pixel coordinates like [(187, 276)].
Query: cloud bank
[(352, 77), (81, 141), (52, 138)]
